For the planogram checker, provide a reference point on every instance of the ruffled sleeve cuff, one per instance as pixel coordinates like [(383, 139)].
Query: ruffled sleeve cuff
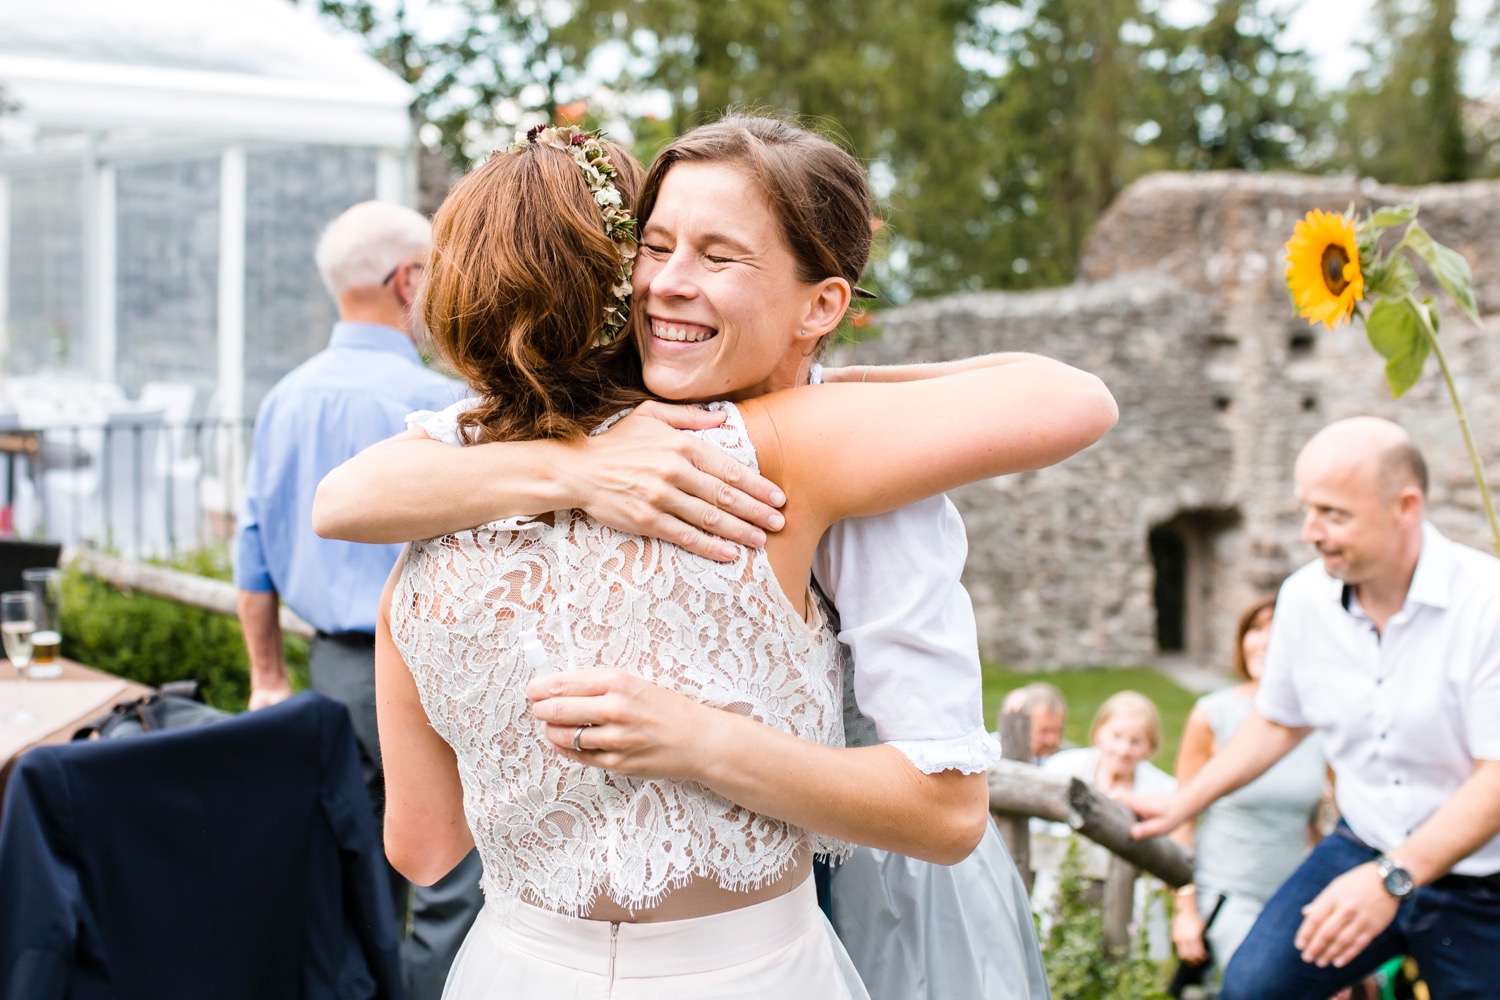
[(441, 425), (967, 754)]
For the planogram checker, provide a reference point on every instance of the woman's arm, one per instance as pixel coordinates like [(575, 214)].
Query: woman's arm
[(1196, 748), (848, 450), (641, 476), (426, 833), (871, 795), (868, 795), (912, 373), (1188, 925)]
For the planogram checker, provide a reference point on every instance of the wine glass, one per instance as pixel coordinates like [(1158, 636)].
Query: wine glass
[(17, 623)]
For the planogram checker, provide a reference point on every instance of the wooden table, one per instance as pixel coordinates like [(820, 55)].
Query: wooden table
[(64, 703)]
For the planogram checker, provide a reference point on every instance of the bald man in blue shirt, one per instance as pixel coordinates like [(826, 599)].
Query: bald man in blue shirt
[(355, 392)]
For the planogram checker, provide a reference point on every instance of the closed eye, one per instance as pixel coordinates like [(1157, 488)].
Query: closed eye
[(656, 251)]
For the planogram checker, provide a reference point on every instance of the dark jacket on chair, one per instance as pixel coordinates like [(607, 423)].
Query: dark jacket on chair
[(235, 860)]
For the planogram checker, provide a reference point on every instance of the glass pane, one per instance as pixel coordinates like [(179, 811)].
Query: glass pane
[(45, 277), (167, 273), (292, 193)]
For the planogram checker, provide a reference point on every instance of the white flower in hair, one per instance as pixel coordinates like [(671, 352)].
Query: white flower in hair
[(587, 150)]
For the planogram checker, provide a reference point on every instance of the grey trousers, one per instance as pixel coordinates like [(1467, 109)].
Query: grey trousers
[(438, 916)]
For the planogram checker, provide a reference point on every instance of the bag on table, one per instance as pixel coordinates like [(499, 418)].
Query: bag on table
[(174, 705)]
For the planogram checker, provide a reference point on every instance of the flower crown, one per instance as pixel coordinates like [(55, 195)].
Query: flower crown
[(587, 149)]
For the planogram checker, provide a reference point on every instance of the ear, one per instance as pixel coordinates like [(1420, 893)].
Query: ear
[(1410, 503), (404, 285), (826, 305)]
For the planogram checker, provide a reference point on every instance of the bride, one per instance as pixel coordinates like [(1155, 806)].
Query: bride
[(660, 857)]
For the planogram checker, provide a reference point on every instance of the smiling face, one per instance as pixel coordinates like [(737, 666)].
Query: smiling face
[(1123, 740), (1253, 646), (725, 315), (1347, 516)]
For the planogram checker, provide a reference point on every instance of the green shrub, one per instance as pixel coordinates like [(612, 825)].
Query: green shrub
[(153, 640), (1077, 966)]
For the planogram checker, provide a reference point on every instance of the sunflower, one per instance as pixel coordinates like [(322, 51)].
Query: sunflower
[(1322, 268)]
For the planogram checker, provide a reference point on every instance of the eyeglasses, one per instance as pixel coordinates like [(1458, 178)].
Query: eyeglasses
[(415, 266)]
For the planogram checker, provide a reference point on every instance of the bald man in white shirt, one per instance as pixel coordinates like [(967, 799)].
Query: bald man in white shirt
[(1389, 646)]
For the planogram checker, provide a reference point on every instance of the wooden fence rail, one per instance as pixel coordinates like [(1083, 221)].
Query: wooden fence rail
[(1019, 790), (1024, 790), (174, 585)]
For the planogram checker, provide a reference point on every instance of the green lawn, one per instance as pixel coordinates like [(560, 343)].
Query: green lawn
[(1086, 690)]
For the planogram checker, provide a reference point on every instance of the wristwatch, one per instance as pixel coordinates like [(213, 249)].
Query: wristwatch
[(1397, 880)]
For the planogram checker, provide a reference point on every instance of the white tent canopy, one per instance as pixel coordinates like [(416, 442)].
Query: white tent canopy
[(165, 168), (247, 69)]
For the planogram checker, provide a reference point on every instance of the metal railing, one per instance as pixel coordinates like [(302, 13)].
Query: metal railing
[(137, 485)]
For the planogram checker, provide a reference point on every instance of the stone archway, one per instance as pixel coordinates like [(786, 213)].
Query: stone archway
[(1190, 588)]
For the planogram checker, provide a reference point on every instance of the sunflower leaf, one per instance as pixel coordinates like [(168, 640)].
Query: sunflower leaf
[(1396, 334), (1387, 218), (1454, 275), (1448, 266), (1394, 279)]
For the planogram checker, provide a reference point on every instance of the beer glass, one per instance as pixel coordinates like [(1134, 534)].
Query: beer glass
[(45, 584)]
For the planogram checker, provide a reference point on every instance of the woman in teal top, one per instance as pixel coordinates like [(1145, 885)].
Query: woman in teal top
[(1249, 841)]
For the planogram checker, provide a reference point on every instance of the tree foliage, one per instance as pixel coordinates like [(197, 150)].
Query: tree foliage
[(1405, 111), (996, 131), (478, 66)]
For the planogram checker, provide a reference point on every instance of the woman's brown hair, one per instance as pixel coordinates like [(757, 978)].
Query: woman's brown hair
[(515, 294), (1247, 622)]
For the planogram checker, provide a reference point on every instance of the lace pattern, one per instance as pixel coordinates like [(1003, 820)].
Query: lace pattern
[(577, 594)]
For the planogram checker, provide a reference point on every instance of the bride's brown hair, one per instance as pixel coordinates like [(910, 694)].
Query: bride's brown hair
[(516, 290)]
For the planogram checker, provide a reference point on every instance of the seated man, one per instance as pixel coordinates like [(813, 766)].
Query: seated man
[(1048, 711)]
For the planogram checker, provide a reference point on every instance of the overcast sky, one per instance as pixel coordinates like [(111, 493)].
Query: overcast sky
[(1330, 29)]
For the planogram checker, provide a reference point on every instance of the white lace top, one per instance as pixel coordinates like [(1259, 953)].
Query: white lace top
[(476, 614), (914, 680)]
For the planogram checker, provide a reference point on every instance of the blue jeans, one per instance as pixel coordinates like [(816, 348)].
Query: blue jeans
[(1451, 927)]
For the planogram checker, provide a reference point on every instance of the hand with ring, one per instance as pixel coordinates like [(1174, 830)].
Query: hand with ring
[(634, 727)]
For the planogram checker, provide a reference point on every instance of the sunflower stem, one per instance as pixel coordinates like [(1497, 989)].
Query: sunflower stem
[(1420, 311)]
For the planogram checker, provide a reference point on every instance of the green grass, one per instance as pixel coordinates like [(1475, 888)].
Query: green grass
[(1085, 690)]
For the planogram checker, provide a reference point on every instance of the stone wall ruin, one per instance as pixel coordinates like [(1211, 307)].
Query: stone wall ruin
[(1151, 542)]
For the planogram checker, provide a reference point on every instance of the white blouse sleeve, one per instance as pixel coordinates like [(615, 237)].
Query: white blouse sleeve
[(907, 620), (441, 425)]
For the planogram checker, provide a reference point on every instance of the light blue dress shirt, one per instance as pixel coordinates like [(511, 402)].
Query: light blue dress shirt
[(347, 397)]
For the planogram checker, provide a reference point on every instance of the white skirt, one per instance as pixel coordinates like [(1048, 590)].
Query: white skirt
[(782, 948)]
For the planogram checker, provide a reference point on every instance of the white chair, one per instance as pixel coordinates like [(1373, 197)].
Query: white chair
[(133, 491), (113, 495), (178, 461)]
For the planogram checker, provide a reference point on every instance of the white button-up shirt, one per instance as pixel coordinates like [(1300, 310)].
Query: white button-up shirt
[(909, 624), (1405, 715)]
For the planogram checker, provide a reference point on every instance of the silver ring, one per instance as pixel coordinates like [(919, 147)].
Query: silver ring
[(577, 735)]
